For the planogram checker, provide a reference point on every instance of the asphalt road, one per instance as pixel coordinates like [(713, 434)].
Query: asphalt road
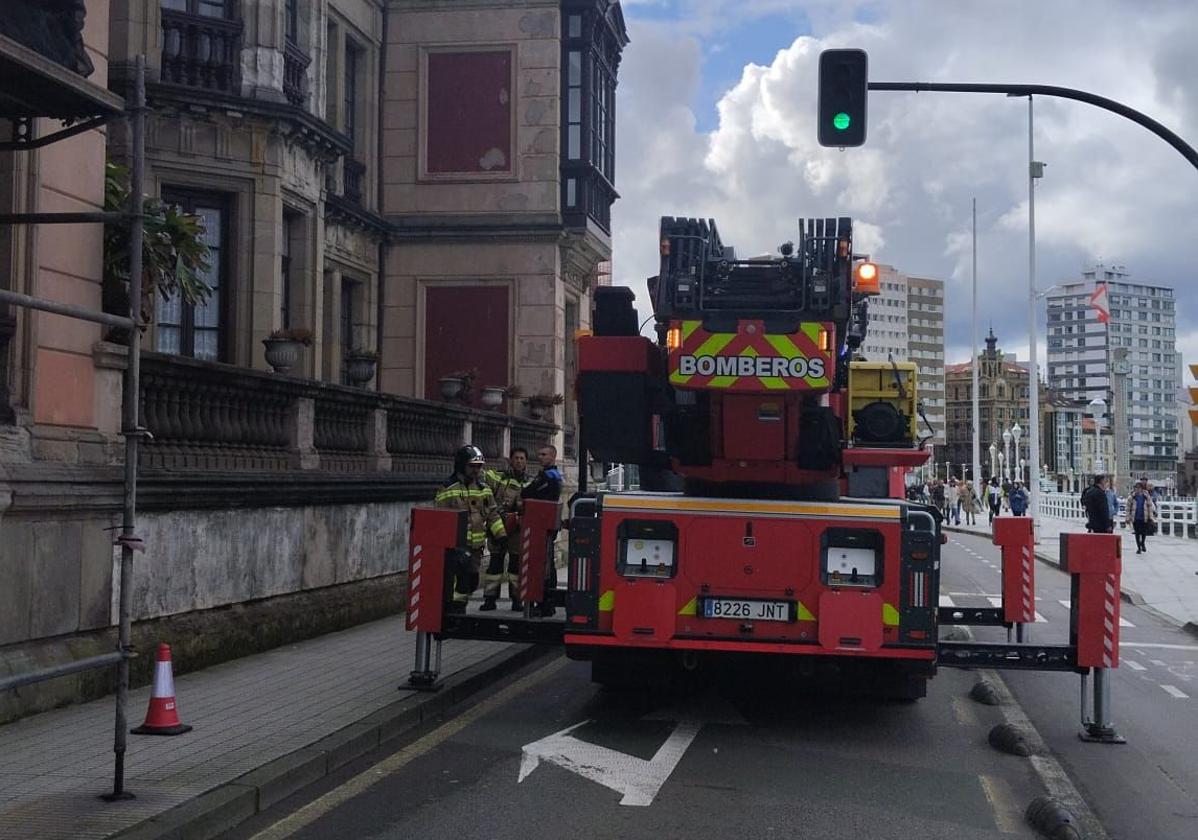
[(1147, 788), (551, 755)]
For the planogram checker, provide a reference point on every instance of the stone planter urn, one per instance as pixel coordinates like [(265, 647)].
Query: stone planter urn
[(537, 411), (282, 354), (492, 397), (451, 387), (359, 368)]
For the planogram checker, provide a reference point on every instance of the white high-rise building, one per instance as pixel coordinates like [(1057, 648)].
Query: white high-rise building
[(886, 335), (1142, 320)]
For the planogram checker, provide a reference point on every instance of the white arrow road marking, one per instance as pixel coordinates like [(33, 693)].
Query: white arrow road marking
[(638, 780)]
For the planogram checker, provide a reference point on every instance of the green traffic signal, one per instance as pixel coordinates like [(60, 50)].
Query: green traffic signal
[(843, 98)]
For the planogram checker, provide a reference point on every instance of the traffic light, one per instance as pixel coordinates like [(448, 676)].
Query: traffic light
[(843, 95)]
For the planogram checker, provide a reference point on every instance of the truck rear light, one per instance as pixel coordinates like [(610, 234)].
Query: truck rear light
[(647, 549), (851, 557)]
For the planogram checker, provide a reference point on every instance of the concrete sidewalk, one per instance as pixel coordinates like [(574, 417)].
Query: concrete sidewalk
[(1164, 579), (265, 726)]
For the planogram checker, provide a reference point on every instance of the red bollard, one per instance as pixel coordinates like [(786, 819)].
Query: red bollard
[(538, 528), (1013, 534), (434, 538), (1095, 564)]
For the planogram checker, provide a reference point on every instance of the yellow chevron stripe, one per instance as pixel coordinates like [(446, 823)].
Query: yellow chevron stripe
[(690, 608), (607, 600), (890, 616), (805, 614), (688, 328)]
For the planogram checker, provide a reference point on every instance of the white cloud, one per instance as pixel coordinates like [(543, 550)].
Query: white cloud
[(1111, 189)]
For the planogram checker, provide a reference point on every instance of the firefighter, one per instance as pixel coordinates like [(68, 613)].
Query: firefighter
[(547, 486), (504, 564), (465, 490)]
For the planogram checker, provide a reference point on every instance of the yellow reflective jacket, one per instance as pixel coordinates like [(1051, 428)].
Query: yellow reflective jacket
[(479, 502), (506, 486)]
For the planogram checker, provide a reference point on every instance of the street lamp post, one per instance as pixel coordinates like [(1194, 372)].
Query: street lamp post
[(1016, 434), (993, 458), (1098, 412), (1006, 448)]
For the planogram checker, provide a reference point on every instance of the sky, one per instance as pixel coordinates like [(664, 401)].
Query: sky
[(716, 118)]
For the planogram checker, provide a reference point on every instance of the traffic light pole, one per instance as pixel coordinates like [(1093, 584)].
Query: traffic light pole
[(1187, 151)]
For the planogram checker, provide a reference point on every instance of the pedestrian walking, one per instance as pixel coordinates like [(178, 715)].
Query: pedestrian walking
[(938, 495), (548, 487), (1141, 515), (952, 507), (1018, 499), (994, 497), (465, 490), (971, 505), (504, 563), (1098, 509)]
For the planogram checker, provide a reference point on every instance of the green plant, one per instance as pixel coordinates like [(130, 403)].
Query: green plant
[(303, 336), (545, 400), (174, 254)]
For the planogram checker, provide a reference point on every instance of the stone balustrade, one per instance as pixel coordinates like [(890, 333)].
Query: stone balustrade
[(205, 416), (200, 51)]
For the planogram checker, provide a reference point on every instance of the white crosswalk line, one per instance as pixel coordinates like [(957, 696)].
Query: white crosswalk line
[(1123, 622), (1135, 666), (946, 601), (996, 601), (1176, 692)]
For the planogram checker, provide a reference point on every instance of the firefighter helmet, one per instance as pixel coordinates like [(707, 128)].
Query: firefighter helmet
[(468, 454)]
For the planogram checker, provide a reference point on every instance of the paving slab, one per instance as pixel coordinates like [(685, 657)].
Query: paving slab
[(264, 727)]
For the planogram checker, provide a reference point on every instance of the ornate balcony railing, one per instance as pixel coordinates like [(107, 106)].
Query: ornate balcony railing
[(201, 52), (295, 74), (209, 416), (353, 174)]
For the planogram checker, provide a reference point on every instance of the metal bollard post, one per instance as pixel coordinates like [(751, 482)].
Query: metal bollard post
[(1094, 563)]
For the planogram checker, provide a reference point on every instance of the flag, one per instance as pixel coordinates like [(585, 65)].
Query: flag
[(1101, 303)]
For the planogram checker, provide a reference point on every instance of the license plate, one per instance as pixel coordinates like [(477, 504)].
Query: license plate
[(745, 609)]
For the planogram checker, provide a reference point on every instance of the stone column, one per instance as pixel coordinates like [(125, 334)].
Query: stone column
[(376, 440), (301, 427)]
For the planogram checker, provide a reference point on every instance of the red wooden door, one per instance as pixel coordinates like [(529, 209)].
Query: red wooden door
[(466, 327)]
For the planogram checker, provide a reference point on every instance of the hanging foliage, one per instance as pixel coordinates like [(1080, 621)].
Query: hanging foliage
[(174, 253)]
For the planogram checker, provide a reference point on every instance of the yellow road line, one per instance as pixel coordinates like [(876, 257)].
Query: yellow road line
[(359, 784), (1007, 814)]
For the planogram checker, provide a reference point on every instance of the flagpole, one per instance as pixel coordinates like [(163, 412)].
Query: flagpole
[(973, 364), (1033, 368)]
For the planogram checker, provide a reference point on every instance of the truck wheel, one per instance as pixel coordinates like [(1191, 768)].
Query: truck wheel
[(906, 689)]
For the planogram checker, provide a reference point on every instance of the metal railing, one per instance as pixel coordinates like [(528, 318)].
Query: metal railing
[(1176, 516)]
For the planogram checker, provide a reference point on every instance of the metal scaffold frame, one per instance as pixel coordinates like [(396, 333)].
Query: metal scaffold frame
[(134, 112)]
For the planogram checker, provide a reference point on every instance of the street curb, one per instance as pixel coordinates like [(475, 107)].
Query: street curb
[(226, 806)]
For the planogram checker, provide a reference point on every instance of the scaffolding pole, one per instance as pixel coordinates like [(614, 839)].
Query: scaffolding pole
[(132, 430), (130, 427)]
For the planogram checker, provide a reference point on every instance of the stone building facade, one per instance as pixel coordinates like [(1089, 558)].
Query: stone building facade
[(498, 166), (1002, 401), (415, 178)]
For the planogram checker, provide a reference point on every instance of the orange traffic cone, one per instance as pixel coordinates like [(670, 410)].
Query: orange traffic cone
[(162, 718)]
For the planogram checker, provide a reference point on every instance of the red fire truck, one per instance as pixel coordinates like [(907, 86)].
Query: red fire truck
[(770, 521)]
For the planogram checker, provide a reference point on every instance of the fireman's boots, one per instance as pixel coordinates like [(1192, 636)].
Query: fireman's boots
[(488, 603)]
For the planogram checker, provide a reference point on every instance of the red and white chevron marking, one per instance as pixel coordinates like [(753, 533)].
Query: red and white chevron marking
[(414, 578), (1110, 604), (525, 542), (1029, 597)]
